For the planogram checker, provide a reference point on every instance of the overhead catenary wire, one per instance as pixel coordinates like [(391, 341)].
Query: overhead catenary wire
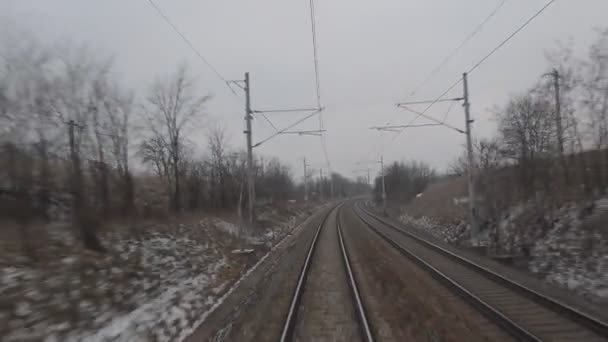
[(476, 65), (191, 45), (459, 47), (481, 61), (459, 130), (453, 53), (270, 122), (281, 131), (398, 133), (313, 27), (445, 116)]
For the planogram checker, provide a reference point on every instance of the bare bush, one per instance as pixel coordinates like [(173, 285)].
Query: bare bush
[(404, 181)]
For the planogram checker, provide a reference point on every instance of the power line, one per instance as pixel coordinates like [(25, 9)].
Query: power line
[(428, 117), (453, 53), (324, 145), (511, 36), (270, 122), (476, 65), (445, 116), (418, 115), (281, 131), (459, 47), (192, 47), (313, 27)]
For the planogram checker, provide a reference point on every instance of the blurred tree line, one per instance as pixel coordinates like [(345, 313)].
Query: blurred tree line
[(403, 181), (70, 133)]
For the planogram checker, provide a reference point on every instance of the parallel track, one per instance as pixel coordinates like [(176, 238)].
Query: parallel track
[(524, 313), (291, 318)]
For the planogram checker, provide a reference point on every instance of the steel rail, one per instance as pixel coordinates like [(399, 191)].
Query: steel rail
[(291, 319), (358, 303), (513, 328), (592, 323)]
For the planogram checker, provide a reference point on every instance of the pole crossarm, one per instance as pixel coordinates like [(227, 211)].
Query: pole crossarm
[(399, 104), (439, 123), (286, 129), (238, 83), (288, 110), (316, 132), (270, 123), (397, 128), (74, 124)]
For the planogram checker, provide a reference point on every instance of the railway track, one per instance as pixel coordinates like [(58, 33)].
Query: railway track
[(292, 319), (524, 313)]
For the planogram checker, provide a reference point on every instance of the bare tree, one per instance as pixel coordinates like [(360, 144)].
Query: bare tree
[(111, 130), (26, 96), (527, 132), (170, 107), (217, 146), (29, 129), (195, 184), (276, 182), (594, 102), (77, 74)]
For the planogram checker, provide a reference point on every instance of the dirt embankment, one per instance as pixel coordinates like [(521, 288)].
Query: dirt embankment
[(564, 242)]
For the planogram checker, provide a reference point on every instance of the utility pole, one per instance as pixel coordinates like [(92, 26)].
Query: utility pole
[(471, 169), (76, 165), (558, 123), (558, 120), (262, 167), (331, 186), (244, 84), (558, 113), (305, 182), (383, 185), (71, 124), (250, 175), (321, 183)]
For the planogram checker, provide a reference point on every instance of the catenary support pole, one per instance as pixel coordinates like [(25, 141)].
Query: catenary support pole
[(558, 113), (305, 183), (321, 184), (383, 185), (470, 157), (248, 132)]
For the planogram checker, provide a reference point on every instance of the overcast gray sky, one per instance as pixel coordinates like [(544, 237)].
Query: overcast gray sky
[(371, 53)]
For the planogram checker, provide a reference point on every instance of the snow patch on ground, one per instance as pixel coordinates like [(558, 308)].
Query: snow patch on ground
[(155, 285), (166, 315), (574, 253), (188, 331), (448, 232), (227, 227), (567, 246)]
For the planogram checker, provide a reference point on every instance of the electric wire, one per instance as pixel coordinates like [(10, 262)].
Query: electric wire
[(459, 47), (313, 27), (475, 66), (191, 45)]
